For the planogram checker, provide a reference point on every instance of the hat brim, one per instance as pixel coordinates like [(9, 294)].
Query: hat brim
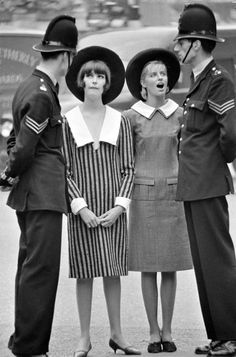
[(113, 62), (51, 48), (204, 37), (136, 64)]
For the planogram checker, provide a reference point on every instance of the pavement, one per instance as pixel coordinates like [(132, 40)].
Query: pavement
[(188, 328)]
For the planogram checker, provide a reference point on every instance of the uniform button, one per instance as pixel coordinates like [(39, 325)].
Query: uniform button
[(192, 105), (59, 121), (41, 80), (214, 68), (187, 99), (185, 112), (180, 139), (182, 125), (179, 152)]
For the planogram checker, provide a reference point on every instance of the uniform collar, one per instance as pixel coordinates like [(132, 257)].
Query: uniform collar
[(48, 73), (109, 132), (200, 67), (147, 111), (211, 66), (44, 77)]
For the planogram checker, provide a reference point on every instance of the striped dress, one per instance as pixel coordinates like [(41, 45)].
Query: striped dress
[(101, 178)]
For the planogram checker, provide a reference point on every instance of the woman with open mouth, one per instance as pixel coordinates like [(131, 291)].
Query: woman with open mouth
[(158, 240)]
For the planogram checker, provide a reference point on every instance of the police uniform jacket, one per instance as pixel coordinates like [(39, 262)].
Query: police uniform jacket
[(35, 155), (208, 136)]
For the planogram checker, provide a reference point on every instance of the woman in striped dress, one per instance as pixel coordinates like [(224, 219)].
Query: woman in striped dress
[(99, 157)]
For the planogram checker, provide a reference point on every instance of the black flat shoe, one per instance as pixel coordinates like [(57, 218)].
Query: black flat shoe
[(168, 346), (154, 347), (129, 350)]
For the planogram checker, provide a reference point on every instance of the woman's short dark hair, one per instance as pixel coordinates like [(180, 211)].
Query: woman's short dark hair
[(96, 66)]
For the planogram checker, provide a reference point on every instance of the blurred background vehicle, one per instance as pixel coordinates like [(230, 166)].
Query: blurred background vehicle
[(107, 14), (117, 13), (98, 20)]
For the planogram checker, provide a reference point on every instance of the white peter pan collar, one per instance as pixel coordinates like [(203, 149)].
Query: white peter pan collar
[(109, 132), (147, 111)]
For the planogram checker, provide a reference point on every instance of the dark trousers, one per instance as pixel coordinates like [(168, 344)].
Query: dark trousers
[(36, 280), (215, 265)]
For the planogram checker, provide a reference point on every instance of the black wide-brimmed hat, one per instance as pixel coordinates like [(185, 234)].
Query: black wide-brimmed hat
[(61, 35), (198, 21), (113, 62), (136, 64)]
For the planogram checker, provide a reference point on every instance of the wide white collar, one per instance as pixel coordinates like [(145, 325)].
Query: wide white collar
[(109, 132), (147, 111)]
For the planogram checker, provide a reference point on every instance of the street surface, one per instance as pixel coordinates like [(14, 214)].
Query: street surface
[(188, 328)]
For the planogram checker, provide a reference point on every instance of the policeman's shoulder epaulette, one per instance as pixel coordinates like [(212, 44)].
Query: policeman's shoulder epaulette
[(216, 71), (42, 85)]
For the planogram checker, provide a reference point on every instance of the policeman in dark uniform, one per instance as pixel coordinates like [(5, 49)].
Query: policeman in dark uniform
[(36, 170), (207, 144)]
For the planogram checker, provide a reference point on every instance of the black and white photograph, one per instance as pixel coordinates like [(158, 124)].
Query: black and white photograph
[(117, 178)]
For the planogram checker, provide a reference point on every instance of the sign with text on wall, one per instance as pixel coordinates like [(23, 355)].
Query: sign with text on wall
[(17, 61)]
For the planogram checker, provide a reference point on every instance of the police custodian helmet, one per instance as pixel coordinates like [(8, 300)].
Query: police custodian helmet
[(197, 21), (61, 35)]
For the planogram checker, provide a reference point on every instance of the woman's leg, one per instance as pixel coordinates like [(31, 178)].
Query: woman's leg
[(112, 291), (150, 298), (168, 290), (84, 292)]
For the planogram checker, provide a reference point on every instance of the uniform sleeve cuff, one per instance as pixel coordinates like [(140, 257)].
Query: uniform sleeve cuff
[(122, 201), (77, 204)]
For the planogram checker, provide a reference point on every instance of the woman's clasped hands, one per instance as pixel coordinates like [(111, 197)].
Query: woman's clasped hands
[(107, 219)]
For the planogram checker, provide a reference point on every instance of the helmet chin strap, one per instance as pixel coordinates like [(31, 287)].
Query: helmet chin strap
[(186, 55)]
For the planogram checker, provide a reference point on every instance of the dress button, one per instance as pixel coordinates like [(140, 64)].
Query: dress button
[(187, 99), (193, 105), (182, 125), (180, 139), (179, 152), (185, 112)]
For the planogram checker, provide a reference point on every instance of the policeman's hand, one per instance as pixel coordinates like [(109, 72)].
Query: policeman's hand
[(89, 218), (108, 218), (6, 183), (5, 188)]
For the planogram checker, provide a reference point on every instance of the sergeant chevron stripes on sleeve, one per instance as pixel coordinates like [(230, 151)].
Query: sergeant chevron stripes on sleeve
[(36, 127), (221, 109)]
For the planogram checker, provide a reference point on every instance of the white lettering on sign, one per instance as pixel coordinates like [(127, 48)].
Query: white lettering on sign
[(11, 79), (18, 56)]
